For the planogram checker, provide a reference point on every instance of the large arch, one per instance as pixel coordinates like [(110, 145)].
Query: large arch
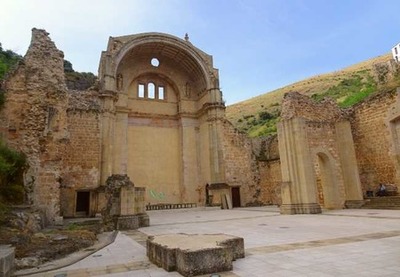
[(160, 141)]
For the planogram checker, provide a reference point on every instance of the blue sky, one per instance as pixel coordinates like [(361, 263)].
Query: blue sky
[(258, 45)]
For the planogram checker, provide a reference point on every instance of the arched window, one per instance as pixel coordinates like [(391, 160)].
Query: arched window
[(151, 90), (160, 93), (141, 90)]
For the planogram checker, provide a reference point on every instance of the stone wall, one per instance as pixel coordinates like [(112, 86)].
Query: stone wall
[(34, 119), (322, 141), (82, 157), (57, 129), (298, 105), (267, 152), (318, 156), (373, 140), (81, 162), (241, 167)]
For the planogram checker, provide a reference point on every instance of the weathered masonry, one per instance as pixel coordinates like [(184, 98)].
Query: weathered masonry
[(153, 131), (163, 114), (157, 116)]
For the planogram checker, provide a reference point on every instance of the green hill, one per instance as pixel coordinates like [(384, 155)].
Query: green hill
[(258, 116)]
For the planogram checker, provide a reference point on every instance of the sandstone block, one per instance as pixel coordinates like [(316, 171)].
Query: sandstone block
[(192, 254)]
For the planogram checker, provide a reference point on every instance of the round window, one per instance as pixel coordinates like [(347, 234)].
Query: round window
[(155, 62)]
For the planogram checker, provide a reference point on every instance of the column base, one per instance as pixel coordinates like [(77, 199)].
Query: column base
[(303, 208)]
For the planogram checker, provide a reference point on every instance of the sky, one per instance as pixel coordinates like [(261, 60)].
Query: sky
[(257, 45)]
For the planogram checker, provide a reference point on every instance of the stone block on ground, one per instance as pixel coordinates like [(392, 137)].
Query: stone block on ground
[(192, 254)]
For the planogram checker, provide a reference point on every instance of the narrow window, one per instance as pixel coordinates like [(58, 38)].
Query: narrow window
[(161, 93), (141, 91), (395, 50), (151, 90)]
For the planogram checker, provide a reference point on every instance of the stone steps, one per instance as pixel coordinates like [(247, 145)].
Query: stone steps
[(386, 202)]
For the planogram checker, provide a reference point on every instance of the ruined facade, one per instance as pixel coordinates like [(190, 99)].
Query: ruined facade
[(157, 116), (318, 160), (156, 119)]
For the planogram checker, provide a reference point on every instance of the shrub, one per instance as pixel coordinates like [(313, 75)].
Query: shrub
[(12, 166)]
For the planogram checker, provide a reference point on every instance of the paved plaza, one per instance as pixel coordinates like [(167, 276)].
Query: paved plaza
[(334, 243)]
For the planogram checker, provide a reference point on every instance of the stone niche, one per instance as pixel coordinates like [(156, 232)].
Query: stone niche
[(125, 207), (193, 254)]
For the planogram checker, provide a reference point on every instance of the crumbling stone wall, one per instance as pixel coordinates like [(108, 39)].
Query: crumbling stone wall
[(267, 152), (34, 119), (57, 129), (318, 135), (241, 167), (298, 105), (373, 141), (327, 131)]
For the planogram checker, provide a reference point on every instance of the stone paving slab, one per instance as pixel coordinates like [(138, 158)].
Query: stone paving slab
[(335, 243)]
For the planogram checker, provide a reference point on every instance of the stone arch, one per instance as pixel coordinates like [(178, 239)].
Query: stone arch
[(138, 127), (163, 45), (152, 77), (327, 173)]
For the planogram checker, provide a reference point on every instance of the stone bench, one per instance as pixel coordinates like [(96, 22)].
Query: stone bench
[(150, 207), (192, 254), (7, 254)]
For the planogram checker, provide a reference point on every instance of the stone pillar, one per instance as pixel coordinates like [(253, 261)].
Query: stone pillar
[(120, 142), (107, 131), (125, 204), (298, 183), (189, 158), (215, 115), (348, 161)]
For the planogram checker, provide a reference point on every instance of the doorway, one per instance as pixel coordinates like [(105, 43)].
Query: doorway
[(235, 197), (82, 203)]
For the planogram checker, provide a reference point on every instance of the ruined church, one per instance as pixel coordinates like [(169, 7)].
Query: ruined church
[(157, 117)]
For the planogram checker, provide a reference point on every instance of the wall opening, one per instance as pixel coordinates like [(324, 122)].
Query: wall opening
[(141, 90), (82, 203), (235, 197), (151, 90), (161, 93), (155, 62)]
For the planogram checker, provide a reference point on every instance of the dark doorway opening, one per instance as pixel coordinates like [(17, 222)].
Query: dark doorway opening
[(235, 197), (82, 203)]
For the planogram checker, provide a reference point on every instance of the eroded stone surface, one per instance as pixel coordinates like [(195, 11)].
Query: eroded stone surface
[(192, 254)]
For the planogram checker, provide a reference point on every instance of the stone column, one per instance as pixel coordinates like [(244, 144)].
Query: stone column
[(348, 161), (189, 158), (215, 115), (298, 180), (107, 131), (120, 160)]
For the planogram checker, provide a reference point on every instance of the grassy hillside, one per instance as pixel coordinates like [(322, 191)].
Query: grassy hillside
[(258, 116), (8, 59)]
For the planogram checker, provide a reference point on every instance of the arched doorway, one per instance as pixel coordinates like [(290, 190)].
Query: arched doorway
[(329, 195)]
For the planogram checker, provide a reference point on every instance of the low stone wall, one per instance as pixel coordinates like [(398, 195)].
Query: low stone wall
[(7, 255)]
